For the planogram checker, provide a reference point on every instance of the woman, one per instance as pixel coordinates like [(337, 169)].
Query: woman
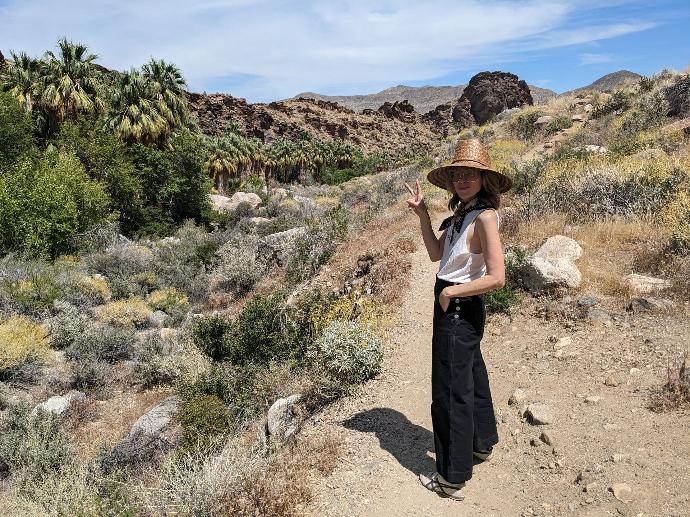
[(471, 263)]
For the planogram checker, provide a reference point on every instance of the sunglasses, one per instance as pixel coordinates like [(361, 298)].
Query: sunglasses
[(470, 175)]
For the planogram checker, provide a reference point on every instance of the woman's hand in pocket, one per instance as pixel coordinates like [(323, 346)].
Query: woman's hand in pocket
[(444, 300)]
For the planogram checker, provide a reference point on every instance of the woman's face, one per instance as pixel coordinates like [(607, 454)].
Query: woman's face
[(466, 182)]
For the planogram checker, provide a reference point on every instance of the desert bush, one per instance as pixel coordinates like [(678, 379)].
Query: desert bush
[(209, 335), (91, 290), (67, 325), (678, 97), (89, 374), (621, 100), (317, 245), (206, 421), (85, 340), (523, 123), (23, 345), (35, 293), (34, 447), (501, 300), (504, 152), (675, 393), (677, 217), (238, 265), (122, 264), (15, 130), (355, 305), (171, 301), (167, 358), (558, 123), (348, 351), (129, 313)]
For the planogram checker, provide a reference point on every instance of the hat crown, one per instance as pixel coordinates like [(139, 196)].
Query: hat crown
[(472, 150)]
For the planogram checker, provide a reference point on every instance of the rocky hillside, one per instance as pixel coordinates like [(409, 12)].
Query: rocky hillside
[(422, 98), (394, 128), (612, 80)]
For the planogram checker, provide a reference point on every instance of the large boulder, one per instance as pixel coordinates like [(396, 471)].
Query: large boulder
[(283, 420), (229, 204), (559, 247), (541, 274), (277, 247), (489, 93), (153, 432), (60, 404)]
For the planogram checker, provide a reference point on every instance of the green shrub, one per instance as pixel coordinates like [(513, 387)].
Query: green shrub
[(34, 447), (15, 131), (206, 421), (209, 335), (238, 264), (524, 122), (619, 101), (558, 123), (44, 203), (348, 351), (36, 292), (503, 299)]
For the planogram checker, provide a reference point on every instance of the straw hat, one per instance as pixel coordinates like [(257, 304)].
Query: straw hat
[(469, 153)]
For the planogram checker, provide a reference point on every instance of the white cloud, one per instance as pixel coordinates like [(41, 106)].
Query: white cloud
[(595, 59), (282, 48)]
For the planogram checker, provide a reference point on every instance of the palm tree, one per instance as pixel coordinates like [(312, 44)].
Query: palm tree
[(20, 79), (135, 115), (69, 82), (168, 87)]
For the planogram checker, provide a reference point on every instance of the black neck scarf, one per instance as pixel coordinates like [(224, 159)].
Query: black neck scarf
[(460, 218)]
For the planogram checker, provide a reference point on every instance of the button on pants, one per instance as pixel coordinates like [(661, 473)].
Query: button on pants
[(462, 411)]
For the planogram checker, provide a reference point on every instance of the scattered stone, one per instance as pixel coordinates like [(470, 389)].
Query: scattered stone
[(592, 399), (635, 371), (617, 458), (599, 317), (564, 341), (622, 492), (59, 405), (589, 487), (610, 427), (543, 120), (517, 398), (546, 438), (515, 432), (587, 301), (577, 118), (642, 284), (539, 414), (649, 304), (282, 420), (589, 500), (612, 380), (534, 442), (588, 108)]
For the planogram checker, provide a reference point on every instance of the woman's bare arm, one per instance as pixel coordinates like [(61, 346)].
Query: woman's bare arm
[(486, 225)]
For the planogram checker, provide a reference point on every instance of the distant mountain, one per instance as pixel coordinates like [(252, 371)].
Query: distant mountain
[(423, 98), (611, 81)]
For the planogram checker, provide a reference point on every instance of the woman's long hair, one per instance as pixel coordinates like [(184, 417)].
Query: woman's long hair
[(490, 193)]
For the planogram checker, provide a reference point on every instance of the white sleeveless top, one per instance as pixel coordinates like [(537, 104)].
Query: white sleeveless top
[(458, 264)]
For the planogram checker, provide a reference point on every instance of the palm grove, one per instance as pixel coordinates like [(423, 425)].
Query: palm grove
[(80, 145)]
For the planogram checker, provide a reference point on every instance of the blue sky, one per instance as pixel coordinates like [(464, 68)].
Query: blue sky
[(268, 50)]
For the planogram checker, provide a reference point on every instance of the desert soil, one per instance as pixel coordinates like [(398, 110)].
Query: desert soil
[(387, 435)]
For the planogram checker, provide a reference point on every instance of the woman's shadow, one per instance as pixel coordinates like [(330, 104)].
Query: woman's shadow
[(409, 443)]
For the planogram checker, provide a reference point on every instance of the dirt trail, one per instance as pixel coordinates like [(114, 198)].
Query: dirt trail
[(386, 430)]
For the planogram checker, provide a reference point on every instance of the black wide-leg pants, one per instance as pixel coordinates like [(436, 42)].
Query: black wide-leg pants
[(462, 411)]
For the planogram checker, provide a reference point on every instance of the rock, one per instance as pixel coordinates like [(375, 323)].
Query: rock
[(534, 442), (489, 93), (598, 149), (621, 491), (642, 284), (279, 193), (258, 220), (592, 399), (277, 247), (543, 120), (401, 110), (587, 301), (589, 473), (450, 117), (588, 108), (517, 398), (599, 317), (635, 371), (59, 405), (577, 118), (612, 380), (539, 414), (541, 274), (282, 422), (157, 319), (589, 487), (154, 431), (559, 247), (546, 438), (649, 304), (564, 341), (229, 204)]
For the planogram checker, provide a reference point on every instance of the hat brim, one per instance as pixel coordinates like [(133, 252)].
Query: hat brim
[(439, 175)]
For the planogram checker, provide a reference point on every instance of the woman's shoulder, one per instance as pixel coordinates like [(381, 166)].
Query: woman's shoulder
[(488, 216)]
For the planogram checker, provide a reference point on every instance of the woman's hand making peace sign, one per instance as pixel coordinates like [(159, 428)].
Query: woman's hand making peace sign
[(416, 202)]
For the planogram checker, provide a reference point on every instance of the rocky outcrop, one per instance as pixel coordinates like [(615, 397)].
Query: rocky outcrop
[(450, 117), (489, 93), (402, 110), (229, 204), (277, 247)]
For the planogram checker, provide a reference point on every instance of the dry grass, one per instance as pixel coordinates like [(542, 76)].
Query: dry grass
[(675, 393), (532, 233)]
